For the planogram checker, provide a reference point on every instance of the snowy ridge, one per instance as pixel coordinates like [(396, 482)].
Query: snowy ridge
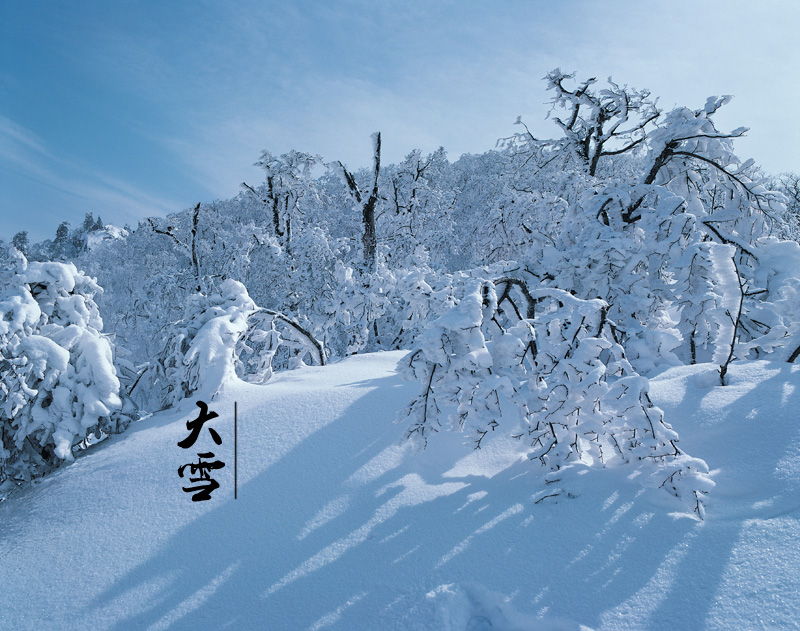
[(339, 525)]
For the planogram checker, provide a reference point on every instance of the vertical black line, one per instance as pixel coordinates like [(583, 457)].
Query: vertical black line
[(235, 451)]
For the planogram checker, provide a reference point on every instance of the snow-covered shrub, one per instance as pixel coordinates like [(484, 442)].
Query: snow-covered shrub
[(561, 372), (199, 354), (222, 336), (58, 383)]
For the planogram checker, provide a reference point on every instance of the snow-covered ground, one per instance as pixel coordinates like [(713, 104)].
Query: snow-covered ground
[(338, 525)]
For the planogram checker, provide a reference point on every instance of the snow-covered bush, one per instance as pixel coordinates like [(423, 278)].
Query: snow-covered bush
[(560, 372), (58, 384), (221, 336), (199, 354)]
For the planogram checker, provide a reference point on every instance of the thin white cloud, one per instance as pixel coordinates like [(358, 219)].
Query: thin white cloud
[(24, 153), (13, 134)]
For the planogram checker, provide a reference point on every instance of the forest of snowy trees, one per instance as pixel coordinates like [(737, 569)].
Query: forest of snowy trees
[(535, 286)]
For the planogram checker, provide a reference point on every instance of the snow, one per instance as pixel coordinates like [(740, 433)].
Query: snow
[(341, 525), (105, 236), (42, 351)]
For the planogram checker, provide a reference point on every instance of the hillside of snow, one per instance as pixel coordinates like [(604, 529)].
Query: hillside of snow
[(339, 525)]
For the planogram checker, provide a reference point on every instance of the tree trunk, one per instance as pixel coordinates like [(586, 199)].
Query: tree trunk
[(195, 259), (369, 238)]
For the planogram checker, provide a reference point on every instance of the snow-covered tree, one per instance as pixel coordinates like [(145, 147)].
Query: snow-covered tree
[(199, 355), (20, 241), (418, 208), (600, 123), (640, 230), (288, 185), (58, 383), (366, 201), (770, 327)]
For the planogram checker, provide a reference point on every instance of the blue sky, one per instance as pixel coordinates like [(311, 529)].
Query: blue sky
[(132, 108)]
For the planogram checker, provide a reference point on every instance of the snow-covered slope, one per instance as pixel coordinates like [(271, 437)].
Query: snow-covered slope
[(338, 525)]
